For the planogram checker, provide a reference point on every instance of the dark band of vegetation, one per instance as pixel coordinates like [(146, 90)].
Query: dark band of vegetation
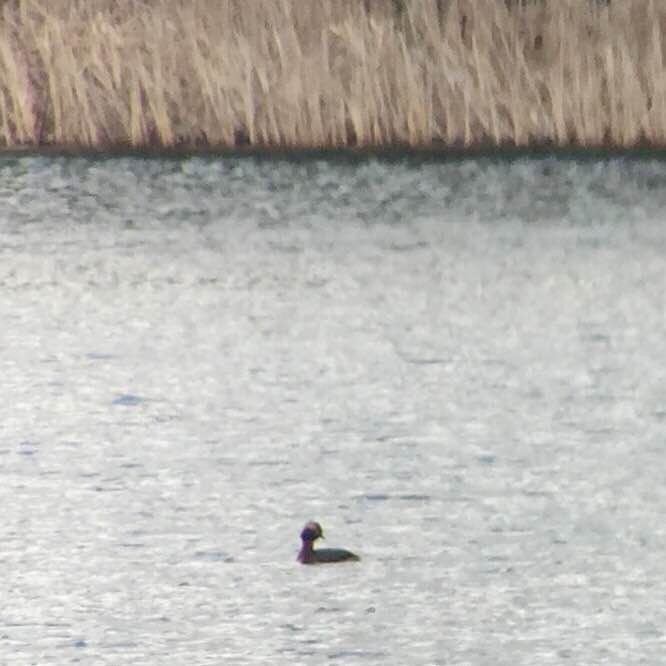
[(332, 73)]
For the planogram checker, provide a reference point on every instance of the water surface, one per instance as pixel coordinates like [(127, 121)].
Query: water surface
[(456, 367)]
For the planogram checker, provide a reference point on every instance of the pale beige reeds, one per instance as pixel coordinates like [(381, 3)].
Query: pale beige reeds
[(328, 73)]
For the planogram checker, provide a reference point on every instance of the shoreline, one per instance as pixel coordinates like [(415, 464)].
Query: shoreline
[(426, 76), (344, 153)]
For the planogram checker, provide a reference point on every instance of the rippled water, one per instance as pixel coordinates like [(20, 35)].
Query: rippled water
[(456, 367)]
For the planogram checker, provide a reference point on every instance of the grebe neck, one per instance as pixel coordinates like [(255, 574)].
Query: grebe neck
[(306, 553)]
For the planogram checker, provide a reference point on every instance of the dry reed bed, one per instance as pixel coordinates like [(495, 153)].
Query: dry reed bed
[(314, 73)]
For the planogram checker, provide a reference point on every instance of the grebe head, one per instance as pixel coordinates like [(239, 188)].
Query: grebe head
[(311, 532)]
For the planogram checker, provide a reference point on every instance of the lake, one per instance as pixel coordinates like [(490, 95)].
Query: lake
[(456, 366)]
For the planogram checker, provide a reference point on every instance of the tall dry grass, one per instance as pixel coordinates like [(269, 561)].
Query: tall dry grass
[(332, 72)]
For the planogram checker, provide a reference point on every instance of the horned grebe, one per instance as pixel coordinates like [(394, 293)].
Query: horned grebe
[(308, 555)]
